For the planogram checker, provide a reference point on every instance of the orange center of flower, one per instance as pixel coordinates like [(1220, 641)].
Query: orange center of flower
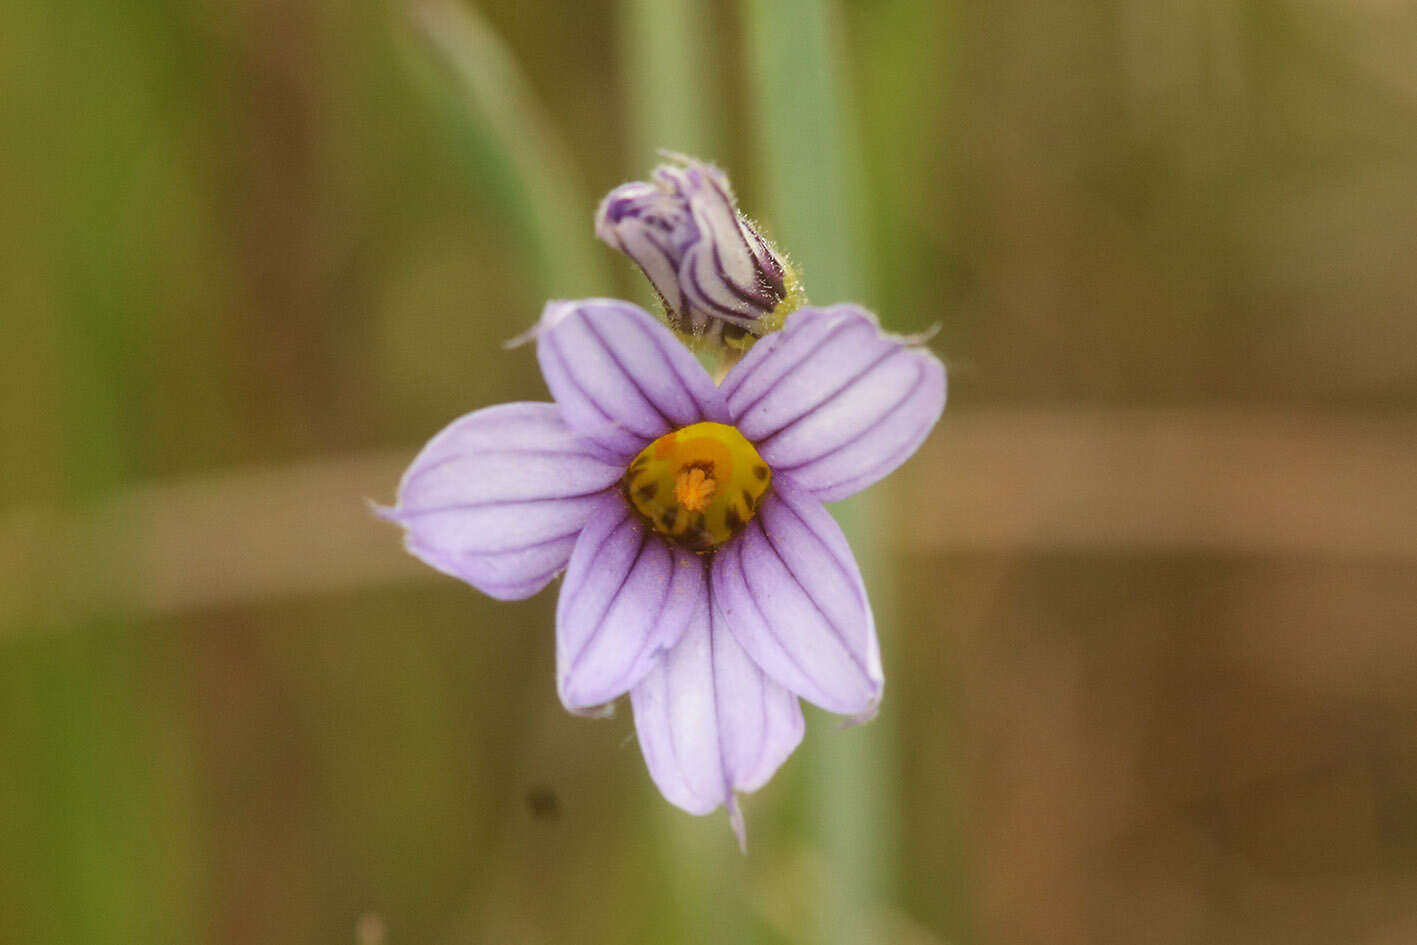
[(699, 485), (693, 487)]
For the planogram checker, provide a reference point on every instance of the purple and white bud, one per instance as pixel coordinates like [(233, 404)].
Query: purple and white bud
[(710, 266)]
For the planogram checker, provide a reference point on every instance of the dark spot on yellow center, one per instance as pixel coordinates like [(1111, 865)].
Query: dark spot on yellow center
[(698, 486)]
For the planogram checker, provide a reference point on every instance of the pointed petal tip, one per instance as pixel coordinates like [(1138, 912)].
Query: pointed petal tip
[(388, 513), (606, 710), (921, 338), (552, 312), (678, 157), (861, 718), (735, 820), (522, 338)]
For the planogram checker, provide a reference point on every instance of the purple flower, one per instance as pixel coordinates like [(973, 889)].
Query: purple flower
[(702, 573), (712, 269)]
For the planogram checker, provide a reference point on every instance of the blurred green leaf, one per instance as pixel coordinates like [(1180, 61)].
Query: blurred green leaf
[(505, 116), (668, 54), (806, 144)]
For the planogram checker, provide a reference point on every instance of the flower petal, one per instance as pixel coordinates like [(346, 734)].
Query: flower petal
[(710, 722), (627, 597), (726, 273), (498, 497), (835, 402), (793, 598), (621, 378)]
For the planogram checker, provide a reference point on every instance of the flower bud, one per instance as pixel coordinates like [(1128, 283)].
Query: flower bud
[(715, 273)]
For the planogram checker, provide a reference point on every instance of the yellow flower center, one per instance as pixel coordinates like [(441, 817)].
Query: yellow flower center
[(693, 487), (698, 486)]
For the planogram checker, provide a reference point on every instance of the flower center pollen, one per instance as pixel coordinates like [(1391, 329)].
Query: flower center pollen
[(699, 485), (693, 487)]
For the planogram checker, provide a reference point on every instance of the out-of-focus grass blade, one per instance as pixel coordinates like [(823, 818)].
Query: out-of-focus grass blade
[(805, 144), (102, 219), (667, 52), (902, 54), (810, 186), (901, 46), (508, 118)]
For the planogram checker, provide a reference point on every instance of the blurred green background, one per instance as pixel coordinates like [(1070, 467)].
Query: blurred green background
[(1147, 596)]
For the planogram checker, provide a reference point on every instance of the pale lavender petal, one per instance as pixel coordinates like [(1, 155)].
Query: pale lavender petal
[(626, 599), (835, 402), (499, 496), (760, 722), (710, 722), (794, 599), (621, 378)]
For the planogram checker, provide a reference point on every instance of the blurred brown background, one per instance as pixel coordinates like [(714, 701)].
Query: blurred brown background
[(1147, 595)]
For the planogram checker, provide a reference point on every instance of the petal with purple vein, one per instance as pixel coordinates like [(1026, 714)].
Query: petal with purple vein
[(710, 722), (835, 402), (621, 378), (498, 497), (627, 597), (794, 599)]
